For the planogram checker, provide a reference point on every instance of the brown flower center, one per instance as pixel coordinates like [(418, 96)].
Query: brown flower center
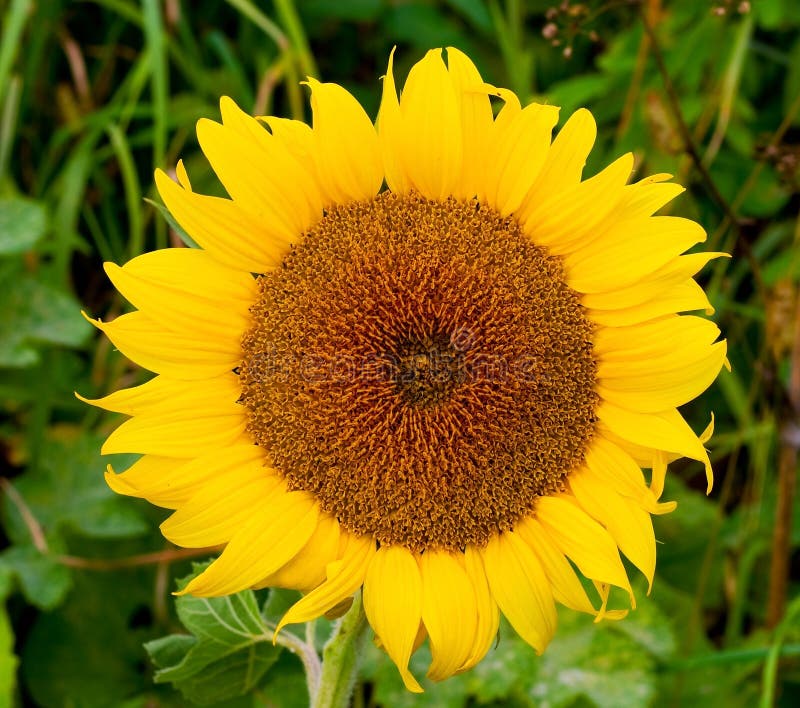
[(422, 368)]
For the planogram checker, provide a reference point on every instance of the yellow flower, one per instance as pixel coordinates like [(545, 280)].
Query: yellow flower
[(442, 392)]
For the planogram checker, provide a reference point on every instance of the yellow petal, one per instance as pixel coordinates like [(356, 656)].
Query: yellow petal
[(138, 399), (629, 526), (295, 135), (516, 154), (475, 111), (665, 430), (628, 349), (194, 421), (147, 467), (164, 396), (629, 250), (348, 155), (567, 221), (615, 468), (510, 110), (393, 603), (276, 533), (676, 271), (659, 473), (183, 176), (390, 133), (685, 379), (186, 356), (182, 268), (641, 454), (344, 577), (307, 569), (206, 296), (233, 236), (286, 147), (432, 138), (567, 588), (171, 482), (564, 163), (583, 540), (684, 296), (449, 611), (258, 172), (222, 507), (520, 588), (488, 614), (645, 197)]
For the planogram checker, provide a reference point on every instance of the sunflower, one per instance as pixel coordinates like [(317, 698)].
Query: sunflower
[(442, 392)]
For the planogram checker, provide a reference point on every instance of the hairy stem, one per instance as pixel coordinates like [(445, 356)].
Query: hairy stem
[(340, 659)]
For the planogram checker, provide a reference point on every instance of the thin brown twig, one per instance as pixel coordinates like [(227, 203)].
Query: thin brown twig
[(692, 150), (168, 556), (40, 542), (77, 66), (686, 134), (653, 7), (32, 524), (749, 183), (787, 482)]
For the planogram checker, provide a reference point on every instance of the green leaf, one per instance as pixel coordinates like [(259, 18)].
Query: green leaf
[(683, 540), (607, 665), (173, 224), (43, 581), (278, 603), (32, 314), (169, 650), (66, 491), (423, 25), (22, 223), (597, 662), (475, 11), (8, 662), (389, 689), (228, 654), (648, 625), (285, 684), (89, 652), (6, 581)]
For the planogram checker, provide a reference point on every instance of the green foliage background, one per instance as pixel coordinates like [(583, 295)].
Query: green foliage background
[(94, 94)]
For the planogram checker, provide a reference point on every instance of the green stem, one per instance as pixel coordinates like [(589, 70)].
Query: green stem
[(732, 656), (297, 36), (340, 659)]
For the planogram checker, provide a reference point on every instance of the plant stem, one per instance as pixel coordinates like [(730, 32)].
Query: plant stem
[(297, 37), (340, 659), (787, 483), (688, 141)]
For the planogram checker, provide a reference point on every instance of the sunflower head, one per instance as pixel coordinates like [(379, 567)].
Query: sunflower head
[(423, 357)]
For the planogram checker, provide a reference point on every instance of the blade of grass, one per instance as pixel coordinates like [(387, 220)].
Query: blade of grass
[(776, 652), (133, 194), (732, 656), (98, 235), (730, 85), (518, 62), (16, 15), (258, 18), (221, 47), (297, 36), (68, 192), (154, 38), (8, 123)]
